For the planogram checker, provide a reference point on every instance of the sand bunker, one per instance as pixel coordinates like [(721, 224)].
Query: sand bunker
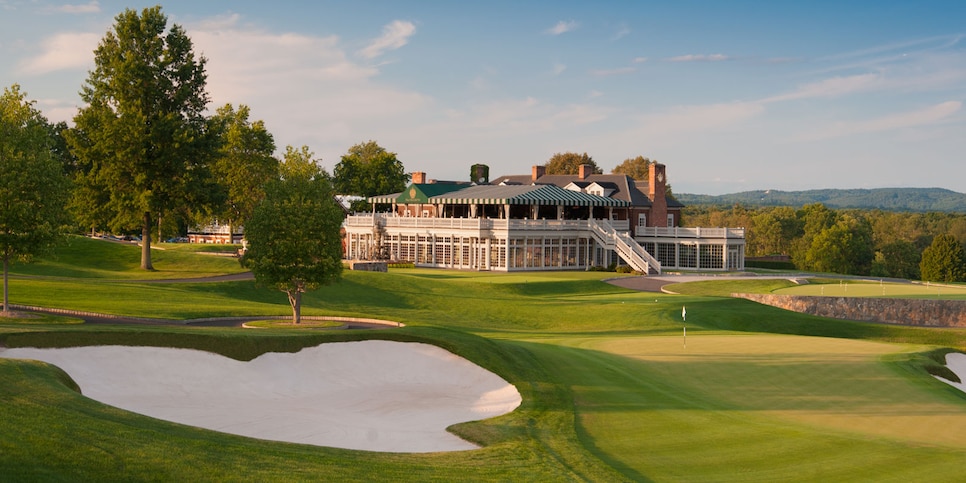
[(956, 362), (370, 395)]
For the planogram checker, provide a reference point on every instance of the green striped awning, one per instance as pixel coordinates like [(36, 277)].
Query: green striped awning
[(523, 195), (384, 199)]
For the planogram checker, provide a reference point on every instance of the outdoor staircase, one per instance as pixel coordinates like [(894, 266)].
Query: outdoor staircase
[(626, 247)]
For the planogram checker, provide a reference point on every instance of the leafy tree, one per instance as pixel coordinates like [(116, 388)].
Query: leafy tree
[(637, 168), (33, 189), (569, 163), (944, 260), (845, 247), (899, 259), (141, 141), (814, 219), (367, 169), (294, 241), (243, 163)]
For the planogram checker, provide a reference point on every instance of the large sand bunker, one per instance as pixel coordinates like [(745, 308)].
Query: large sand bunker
[(370, 395), (956, 362)]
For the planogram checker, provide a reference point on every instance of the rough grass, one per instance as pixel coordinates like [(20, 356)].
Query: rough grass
[(610, 392)]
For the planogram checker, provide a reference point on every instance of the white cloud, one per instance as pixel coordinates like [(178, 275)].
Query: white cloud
[(613, 72), (562, 27), (834, 87), (639, 60), (64, 51), (304, 87), (558, 69), (699, 58), (394, 35), (931, 115), (90, 7), (622, 31)]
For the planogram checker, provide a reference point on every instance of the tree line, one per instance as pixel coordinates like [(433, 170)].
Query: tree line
[(878, 243), (143, 156)]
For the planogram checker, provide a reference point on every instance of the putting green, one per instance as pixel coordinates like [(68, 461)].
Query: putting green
[(760, 402), (888, 290)]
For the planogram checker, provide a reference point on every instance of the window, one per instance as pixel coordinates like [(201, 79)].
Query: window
[(670, 221), (642, 219)]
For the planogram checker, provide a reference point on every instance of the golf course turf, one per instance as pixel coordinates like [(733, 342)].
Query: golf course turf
[(611, 390)]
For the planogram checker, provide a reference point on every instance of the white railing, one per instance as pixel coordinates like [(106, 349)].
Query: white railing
[(392, 221), (678, 232), (634, 254)]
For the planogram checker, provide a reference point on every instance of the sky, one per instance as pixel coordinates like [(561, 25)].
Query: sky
[(730, 95)]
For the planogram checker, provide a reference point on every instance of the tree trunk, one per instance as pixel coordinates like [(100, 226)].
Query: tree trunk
[(295, 300), (146, 242), (6, 291)]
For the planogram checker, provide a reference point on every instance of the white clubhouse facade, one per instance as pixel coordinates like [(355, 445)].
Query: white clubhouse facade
[(540, 222)]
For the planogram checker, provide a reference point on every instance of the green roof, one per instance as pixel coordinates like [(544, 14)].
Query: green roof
[(524, 195), (417, 193)]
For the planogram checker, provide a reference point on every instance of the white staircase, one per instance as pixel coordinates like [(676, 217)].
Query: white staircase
[(626, 247)]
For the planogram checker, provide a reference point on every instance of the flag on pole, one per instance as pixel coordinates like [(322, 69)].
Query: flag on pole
[(684, 313)]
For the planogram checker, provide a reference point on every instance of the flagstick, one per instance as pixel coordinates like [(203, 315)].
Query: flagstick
[(685, 337)]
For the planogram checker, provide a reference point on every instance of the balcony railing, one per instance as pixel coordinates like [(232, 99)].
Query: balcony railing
[(480, 224), (472, 223), (678, 232)]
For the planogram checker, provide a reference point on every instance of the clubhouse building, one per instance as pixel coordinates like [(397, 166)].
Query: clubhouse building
[(540, 222)]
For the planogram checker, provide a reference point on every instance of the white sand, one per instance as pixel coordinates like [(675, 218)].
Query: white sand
[(956, 362), (370, 395)]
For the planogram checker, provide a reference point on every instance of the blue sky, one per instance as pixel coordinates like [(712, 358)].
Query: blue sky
[(731, 96)]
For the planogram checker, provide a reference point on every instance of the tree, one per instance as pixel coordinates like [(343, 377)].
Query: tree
[(899, 259), (944, 260), (33, 189), (367, 169), (569, 163), (637, 168), (845, 247), (243, 163), (294, 241), (141, 141)]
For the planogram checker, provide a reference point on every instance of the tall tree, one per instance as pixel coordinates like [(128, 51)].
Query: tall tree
[(569, 163), (243, 163), (294, 241), (367, 169), (899, 259), (33, 189), (141, 141), (637, 168), (845, 247), (944, 260)]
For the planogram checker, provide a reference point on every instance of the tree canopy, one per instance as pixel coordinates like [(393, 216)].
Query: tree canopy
[(33, 190), (637, 168), (367, 169), (141, 140), (243, 163), (944, 260), (294, 241), (569, 163)]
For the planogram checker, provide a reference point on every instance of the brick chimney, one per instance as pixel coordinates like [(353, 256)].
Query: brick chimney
[(538, 172), (584, 170), (419, 177), (657, 181)]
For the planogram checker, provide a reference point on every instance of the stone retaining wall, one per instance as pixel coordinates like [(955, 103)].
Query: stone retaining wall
[(916, 312)]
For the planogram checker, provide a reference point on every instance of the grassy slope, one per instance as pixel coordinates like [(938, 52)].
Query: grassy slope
[(88, 258), (754, 409)]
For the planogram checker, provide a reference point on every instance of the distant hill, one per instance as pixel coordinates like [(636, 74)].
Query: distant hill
[(889, 199)]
